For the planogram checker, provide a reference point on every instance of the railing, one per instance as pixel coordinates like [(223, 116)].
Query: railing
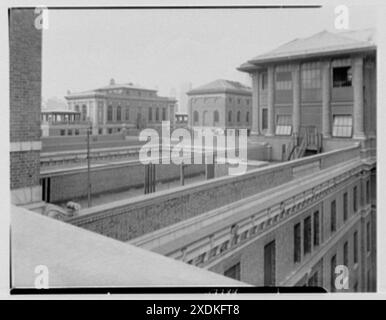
[(131, 218)]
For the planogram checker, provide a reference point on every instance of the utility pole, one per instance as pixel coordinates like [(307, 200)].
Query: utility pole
[(89, 131)]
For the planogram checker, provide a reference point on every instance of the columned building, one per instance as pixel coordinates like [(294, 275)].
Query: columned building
[(220, 104), (118, 107), (326, 82)]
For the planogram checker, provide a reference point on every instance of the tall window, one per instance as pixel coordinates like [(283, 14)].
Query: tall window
[(150, 114), (283, 78), (109, 113), (127, 113), (264, 81), (233, 272), (195, 116), (316, 228), (345, 206), (333, 216), (297, 243), (368, 191), (100, 113), (345, 254), (307, 235), (355, 247), (216, 116), (229, 116), (341, 77), (77, 108), (264, 119), (247, 117), (84, 112), (238, 116), (342, 126), (119, 113), (163, 113), (368, 237), (270, 264), (332, 273), (310, 76), (355, 199), (284, 125), (157, 114)]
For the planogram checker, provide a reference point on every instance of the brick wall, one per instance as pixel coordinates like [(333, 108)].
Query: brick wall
[(25, 95)]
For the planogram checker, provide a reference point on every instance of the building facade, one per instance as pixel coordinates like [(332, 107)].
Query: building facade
[(220, 104), (122, 107), (326, 81)]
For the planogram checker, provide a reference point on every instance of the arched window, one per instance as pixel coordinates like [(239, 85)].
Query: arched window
[(195, 116), (157, 114), (127, 113), (247, 117), (150, 114), (119, 113), (163, 113), (238, 116), (216, 116), (77, 108), (229, 116), (84, 112), (205, 118), (110, 113)]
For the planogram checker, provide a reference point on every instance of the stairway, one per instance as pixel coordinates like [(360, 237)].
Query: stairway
[(307, 142)]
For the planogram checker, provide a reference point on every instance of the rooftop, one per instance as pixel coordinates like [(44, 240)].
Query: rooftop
[(221, 86), (322, 43), (79, 258)]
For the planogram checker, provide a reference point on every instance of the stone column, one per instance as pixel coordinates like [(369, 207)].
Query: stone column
[(296, 99), (255, 104), (358, 97), (326, 98), (271, 100)]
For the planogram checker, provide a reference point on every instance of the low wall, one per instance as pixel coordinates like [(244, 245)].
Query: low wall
[(72, 185), (127, 219)]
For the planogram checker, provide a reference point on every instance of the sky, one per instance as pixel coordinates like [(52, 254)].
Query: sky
[(168, 49)]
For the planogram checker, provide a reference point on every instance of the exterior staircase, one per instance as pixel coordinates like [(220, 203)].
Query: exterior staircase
[(307, 142)]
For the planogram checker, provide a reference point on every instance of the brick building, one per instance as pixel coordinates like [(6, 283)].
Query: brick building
[(220, 104), (118, 107), (326, 82), (25, 42)]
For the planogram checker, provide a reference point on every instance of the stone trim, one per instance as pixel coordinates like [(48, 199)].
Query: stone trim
[(22, 146)]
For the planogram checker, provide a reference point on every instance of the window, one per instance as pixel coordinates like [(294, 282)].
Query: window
[(247, 101), (62, 132), (195, 116), (216, 116), (284, 80), (332, 273), (345, 206), (284, 125), (368, 237), (247, 117), (157, 114), (163, 113), (110, 113), (69, 132), (264, 81), (264, 119), (238, 101), (316, 228), (238, 116), (341, 77), (127, 113), (342, 126), (77, 132), (77, 108), (307, 235), (229, 116), (297, 242), (150, 114), (355, 199), (355, 247), (84, 112), (233, 272), (333, 216), (100, 113), (119, 113), (345, 254), (269, 264), (110, 131), (368, 191), (310, 76), (100, 131)]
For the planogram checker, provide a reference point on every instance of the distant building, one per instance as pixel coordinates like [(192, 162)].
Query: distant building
[(117, 107), (62, 123), (326, 82), (181, 119), (220, 104)]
